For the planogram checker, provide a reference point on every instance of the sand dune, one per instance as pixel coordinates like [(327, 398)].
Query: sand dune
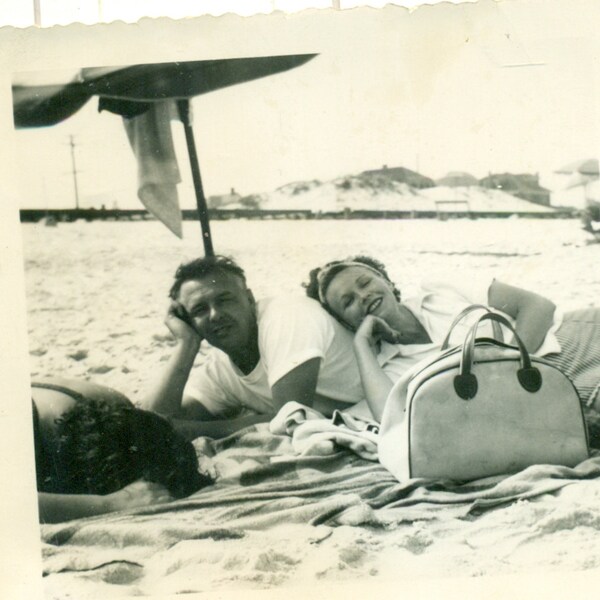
[(370, 192)]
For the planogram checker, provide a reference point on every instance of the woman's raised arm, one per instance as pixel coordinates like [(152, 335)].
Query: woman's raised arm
[(533, 313)]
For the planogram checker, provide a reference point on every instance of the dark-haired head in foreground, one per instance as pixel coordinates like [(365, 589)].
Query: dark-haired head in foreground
[(100, 447)]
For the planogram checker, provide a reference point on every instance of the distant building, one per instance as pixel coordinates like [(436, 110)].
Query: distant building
[(403, 175), (223, 200), (457, 179), (525, 186)]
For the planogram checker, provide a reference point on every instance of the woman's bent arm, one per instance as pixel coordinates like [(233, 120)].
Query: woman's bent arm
[(376, 384), (533, 313)]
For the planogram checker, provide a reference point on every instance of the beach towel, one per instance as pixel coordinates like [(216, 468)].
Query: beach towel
[(314, 434), (263, 488)]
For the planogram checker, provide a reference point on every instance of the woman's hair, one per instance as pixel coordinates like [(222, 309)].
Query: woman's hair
[(102, 447), (321, 277)]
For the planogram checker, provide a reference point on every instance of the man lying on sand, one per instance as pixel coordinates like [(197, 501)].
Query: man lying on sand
[(96, 453), (264, 354)]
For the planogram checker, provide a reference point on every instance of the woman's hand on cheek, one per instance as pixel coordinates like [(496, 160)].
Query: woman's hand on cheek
[(373, 330)]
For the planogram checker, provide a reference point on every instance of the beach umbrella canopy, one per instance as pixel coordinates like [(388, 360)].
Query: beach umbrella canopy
[(37, 105), (134, 90)]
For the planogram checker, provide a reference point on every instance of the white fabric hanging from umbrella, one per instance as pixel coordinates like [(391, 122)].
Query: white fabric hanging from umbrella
[(158, 174)]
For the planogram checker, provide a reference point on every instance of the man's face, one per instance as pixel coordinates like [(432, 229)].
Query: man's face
[(222, 309)]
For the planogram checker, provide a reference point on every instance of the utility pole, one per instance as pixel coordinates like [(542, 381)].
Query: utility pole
[(37, 13), (72, 144)]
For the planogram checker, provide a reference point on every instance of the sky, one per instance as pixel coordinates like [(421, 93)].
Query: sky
[(505, 92)]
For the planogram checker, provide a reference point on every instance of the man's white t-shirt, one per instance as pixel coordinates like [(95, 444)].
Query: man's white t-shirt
[(435, 306), (291, 331)]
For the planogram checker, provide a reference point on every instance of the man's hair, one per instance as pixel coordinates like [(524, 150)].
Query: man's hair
[(102, 447), (331, 269), (201, 268)]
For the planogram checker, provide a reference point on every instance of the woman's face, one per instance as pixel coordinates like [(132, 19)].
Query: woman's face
[(357, 292)]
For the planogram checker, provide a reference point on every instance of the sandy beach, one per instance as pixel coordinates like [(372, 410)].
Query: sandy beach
[(97, 293)]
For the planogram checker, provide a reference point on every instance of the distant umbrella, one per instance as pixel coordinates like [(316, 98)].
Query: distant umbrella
[(581, 172), (588, 166)]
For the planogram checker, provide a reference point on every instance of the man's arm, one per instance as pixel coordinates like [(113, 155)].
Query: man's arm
[(533, 313), (166, 396), (295, 334), (191, 429), (298, 385)]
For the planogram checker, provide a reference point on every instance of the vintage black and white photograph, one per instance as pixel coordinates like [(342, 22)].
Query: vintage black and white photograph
[(309, 300)]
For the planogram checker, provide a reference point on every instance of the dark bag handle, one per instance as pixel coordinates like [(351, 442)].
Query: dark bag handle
[(465, 383), (462, 314)]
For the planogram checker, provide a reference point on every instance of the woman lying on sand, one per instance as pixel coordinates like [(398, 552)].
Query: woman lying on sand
[(96, 453), (392, 335)]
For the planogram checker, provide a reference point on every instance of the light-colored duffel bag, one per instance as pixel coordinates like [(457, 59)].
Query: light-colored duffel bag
[(479, 409)]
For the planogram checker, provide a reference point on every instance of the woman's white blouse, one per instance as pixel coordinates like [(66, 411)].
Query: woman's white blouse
[(435, 306)]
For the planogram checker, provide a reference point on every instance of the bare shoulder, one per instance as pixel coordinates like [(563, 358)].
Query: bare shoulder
[(88, 389)]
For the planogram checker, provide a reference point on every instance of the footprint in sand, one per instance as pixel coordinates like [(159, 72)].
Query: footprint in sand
[(160, 337), (79, 355), (100, 369)]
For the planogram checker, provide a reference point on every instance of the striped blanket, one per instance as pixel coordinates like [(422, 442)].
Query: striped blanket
[(266, 497)]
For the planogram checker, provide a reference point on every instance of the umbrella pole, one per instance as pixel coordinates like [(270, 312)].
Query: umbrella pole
[(184, 113)]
